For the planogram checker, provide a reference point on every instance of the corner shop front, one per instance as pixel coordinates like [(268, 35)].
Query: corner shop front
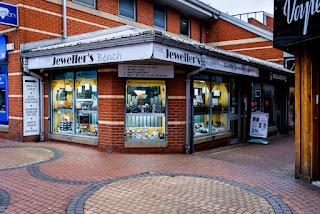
[(133, 96)]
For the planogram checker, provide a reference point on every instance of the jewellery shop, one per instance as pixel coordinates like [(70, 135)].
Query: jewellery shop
[(135, 97)]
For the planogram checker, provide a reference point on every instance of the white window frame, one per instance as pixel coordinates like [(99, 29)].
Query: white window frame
[(134, 11), (87, 5), (165, 17), (189, 25)]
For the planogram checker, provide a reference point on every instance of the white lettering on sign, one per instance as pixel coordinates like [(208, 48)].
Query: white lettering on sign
[(146, 71), (177, 55), (295, 12), (99, 56), (31, 106)]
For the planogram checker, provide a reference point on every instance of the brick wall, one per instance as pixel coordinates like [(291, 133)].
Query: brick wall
[(222, 31), (111, 109), (259, 24)]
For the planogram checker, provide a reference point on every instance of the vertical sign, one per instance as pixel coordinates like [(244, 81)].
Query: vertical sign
[(31, 108), (8, 14), (3, 48)]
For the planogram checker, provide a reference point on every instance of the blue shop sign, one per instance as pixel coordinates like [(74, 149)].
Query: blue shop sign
[(3, 48), (8, 14)]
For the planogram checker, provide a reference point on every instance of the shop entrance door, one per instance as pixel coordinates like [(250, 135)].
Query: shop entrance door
[(234, 111), (317, 129)]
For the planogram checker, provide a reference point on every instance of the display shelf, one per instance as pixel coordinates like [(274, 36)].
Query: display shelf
[(146, 114), (145, 140), (63, 110), (219, 112), (87, 111)]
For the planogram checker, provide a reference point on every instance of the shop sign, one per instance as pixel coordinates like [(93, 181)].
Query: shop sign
[(31, 109), (278, 77), (295, 21), (177, 55), (231, 67), (8, 14), (259, 124), (3, 48), (146, 82), (100, 56), (146, 71)]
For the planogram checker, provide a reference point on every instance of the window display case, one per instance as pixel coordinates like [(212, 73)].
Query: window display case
[(146, 110), (210, 103), (74, 103)]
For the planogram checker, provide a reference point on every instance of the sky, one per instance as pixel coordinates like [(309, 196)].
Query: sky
[(233, 7)]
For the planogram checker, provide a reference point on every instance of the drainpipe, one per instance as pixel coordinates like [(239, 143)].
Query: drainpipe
[(64, 18), (25, 69), (189, 140)]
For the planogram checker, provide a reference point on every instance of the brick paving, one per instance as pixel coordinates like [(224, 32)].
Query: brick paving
[(71, 178)]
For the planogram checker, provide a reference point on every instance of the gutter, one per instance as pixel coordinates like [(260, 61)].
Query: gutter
[(41, 93), (215, 13)]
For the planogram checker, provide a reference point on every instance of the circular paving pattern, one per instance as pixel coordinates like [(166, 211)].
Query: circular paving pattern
[(174, 194), (4, 200), (14, 157)]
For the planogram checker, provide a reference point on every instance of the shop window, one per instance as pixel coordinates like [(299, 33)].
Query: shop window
[(74, 101), (263, 100), (146, 114), (127, 8), (89, 3), (4, 116), (184, 25), (210, 101), (2, 100), (159, 16)]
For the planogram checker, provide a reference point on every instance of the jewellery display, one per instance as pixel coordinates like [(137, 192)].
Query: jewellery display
[(210, 103), (74, 103), (145, 110)]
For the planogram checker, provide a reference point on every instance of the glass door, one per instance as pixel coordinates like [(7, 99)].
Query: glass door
[(234, 111)]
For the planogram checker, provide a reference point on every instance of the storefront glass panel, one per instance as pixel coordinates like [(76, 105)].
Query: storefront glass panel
[(263, 100), (220, 104), (210, 103), (146, 110), (74, 103), (201, 97), (86, 97)]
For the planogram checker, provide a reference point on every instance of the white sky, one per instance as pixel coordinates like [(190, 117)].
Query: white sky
[(233, 7)]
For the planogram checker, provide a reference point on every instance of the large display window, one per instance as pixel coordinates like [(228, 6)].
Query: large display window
[(210, 103), (146, 111), (74, 103)]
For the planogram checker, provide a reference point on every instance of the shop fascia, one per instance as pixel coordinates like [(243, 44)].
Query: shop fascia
[(136, 52), (294, 11)]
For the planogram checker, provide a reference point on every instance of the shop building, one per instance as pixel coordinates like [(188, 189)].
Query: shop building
[(128, 89), (298, 33)]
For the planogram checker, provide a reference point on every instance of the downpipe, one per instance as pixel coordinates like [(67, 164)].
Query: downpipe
[(64, 19)]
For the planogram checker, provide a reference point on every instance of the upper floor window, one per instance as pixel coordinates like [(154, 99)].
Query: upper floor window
[(184, 25), (127, 8), (89, 3), (159, 16)]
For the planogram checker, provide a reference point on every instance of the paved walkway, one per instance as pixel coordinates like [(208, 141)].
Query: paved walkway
[(56, 177)]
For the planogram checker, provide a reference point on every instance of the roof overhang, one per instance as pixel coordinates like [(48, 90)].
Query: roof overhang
[(142, 46), (193, 8)]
